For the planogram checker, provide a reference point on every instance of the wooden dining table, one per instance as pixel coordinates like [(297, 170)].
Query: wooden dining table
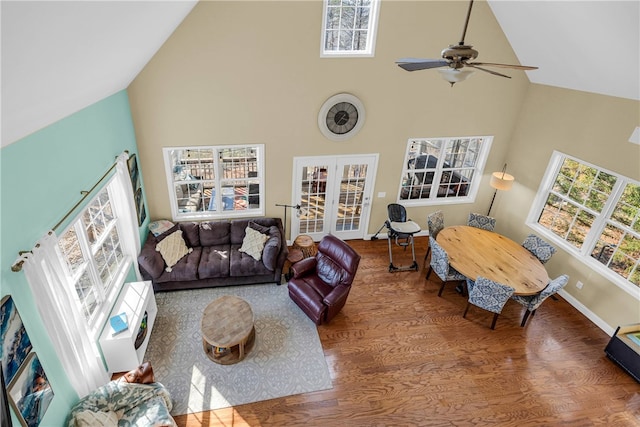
[(476, 252)]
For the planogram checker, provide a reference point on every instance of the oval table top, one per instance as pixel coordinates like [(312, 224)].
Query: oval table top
[(476, 252)]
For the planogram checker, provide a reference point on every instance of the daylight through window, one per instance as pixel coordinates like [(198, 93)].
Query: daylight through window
[(215, 181), (593, 212), (442, 170), (349, 27)]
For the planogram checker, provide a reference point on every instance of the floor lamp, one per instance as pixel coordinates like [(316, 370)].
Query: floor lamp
[(284, 225), (500, 181)]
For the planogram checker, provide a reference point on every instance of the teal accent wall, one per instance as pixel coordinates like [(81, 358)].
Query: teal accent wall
[(41, 178)]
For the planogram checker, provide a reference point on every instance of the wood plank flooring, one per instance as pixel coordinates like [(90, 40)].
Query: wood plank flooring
[(401, 356)]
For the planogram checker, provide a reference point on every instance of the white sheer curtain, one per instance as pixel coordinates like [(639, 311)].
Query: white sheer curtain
[(60, 314), (124, 200)]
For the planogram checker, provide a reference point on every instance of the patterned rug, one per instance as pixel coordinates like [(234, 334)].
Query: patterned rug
[(286, 359)]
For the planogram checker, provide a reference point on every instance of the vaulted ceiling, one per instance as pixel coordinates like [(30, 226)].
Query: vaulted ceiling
[(61, 56)]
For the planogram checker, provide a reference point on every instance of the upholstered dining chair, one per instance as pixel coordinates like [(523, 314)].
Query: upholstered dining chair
[(532, 302), (435, 223), (440, 264), (538, 247), (481, 221), (488, 295)]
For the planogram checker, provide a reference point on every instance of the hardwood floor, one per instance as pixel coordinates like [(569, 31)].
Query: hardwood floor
[(401, 356)]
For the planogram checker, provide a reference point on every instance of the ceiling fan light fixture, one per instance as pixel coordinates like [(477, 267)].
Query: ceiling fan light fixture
[(454, 76)]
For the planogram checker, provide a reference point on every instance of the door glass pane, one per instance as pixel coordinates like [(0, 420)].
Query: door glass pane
[(350, 198), (313, 191)]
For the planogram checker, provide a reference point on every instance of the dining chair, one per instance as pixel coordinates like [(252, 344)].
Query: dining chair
[(435, 223), (539, 248), (488, 295), (481, 221), (532, 302), (440, 264)]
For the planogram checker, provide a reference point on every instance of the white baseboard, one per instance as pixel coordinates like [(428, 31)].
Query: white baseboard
[(588, 313)]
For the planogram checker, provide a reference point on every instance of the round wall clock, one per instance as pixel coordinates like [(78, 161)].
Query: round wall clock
[(341, 117)]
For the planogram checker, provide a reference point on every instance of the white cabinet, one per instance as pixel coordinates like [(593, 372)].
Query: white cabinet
[(121, 351)]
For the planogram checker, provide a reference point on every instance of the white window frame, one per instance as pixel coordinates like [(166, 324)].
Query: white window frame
[(217, 182), (106, 293), (583, 254), (371, 30), (433, 199)]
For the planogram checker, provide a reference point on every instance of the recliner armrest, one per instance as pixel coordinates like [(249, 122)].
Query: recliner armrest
[(303, 267), (338, 293)]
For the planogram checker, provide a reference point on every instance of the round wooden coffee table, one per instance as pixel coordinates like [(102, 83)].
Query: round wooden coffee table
[(228, 332)]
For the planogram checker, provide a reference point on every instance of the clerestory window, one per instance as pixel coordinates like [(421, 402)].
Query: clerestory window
[(349, 27), (594, 214), (442, 170), (215, 181)]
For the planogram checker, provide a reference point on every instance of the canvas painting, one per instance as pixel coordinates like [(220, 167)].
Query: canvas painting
[(137, 189), (30, 392), (15, 344)]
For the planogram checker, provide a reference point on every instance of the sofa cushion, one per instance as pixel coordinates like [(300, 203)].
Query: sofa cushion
[(272, 248), (214, 262), (191, 233), (173, 248), (242, 265), (214, 233), (185, 269), (253, 243)]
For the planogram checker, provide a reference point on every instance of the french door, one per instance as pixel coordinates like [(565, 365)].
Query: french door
[(334, 194)]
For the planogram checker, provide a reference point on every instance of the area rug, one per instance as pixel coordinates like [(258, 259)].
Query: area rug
[(286, 359)]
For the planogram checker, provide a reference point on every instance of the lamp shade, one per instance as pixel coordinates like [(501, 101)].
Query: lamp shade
[(453, 75), (501, 181)]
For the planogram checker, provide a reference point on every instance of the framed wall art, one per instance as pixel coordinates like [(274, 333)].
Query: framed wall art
[(15, 344), (134, 172), (30, 393)]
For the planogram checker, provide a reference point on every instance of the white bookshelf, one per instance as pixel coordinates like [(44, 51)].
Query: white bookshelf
[(119, 350)]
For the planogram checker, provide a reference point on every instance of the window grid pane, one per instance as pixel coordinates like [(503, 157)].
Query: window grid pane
[(347, 26), (579, 200), (439, 168)]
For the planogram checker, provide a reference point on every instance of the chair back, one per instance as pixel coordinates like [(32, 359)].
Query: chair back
[(439, 259), (435, 222), (396, 212), (481, 221), (337, 262), (539, 248), (554, 286), (489, 295)]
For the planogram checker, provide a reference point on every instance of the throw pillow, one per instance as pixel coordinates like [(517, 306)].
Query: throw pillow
[(96, 419), (160, 226), (172, 248), (253, 243)]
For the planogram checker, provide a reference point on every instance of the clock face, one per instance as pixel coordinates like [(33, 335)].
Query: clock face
[(341, 117)]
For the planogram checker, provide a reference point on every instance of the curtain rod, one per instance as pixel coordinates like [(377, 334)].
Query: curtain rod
[(17, 266)]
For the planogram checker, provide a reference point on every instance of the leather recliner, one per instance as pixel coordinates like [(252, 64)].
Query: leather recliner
[(320, 285)]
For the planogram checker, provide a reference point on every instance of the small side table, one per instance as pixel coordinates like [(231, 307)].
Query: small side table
[(294, 256), (305, 245)]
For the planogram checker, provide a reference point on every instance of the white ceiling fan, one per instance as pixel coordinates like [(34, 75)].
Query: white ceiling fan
[(456, 58)]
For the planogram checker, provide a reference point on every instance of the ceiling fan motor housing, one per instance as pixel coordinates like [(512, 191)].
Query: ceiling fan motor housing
[(459, 54)]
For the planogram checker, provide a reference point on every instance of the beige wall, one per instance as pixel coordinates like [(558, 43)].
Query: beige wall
[(250, 72), (593, 128)]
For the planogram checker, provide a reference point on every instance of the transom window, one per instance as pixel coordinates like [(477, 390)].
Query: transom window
[(593, 213), (349, 27), (215, 181), (442, 170), (93, 255)]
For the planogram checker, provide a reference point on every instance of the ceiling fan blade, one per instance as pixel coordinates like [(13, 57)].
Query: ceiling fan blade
[(487, 71), (491, 64), (415, 64)]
